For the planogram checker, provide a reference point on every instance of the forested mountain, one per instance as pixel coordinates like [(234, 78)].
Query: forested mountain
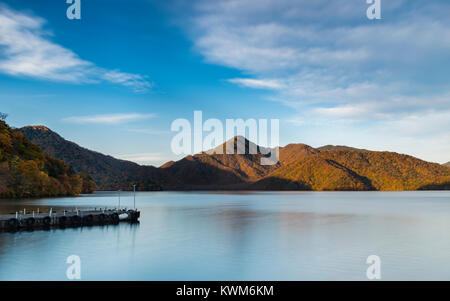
[(300, 167), (361, 170), (25, 171), (226, 170), (108, 173)]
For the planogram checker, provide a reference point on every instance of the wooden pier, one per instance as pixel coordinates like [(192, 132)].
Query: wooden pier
[(64, 218)]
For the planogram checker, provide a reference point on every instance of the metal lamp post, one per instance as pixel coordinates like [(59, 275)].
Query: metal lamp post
[(134, 196)]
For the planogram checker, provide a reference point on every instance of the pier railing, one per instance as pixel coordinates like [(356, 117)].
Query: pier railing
[(66, 218)]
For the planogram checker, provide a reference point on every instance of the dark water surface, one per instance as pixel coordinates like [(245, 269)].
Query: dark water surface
[(241, 236)]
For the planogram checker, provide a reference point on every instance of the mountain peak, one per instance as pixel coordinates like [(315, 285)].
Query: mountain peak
[(43, 175), (237, 145), (38, 128), (39, 132), (300, 167)]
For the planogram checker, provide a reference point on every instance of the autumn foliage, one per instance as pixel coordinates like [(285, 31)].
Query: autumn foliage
[(300, 167), (26, 172)]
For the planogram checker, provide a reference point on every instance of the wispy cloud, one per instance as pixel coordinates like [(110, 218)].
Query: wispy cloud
[(26, 50), (108, 119), (331, 64), (257, 83), (348, 79), (326, 57), (145, 158)]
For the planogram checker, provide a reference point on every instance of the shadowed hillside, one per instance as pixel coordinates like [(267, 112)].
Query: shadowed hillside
[(300, 167), (109, 173), (317, 173), (364, 170), (391, 171), (26, 172), (221, 167)]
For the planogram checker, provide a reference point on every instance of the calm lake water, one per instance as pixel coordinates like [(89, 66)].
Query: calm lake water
[(241, 236)]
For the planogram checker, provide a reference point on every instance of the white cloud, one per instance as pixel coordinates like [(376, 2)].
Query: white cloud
[(329, 58), (135, 81), (108, 119), (335, 67), (327, 51), (26, 49), (145, 158), (257, 83), (342, 111)]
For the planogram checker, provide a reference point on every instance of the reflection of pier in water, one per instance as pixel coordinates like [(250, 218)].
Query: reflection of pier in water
[(62, 219)]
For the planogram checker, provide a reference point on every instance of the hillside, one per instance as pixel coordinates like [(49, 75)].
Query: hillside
[(301, 167), (447, 164), (339, 147), (26, 172), (362, 170), (108, 173), (210, 170), (393, 171), (315, 173)]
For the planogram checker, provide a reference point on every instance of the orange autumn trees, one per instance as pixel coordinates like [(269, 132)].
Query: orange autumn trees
[(26, 172)]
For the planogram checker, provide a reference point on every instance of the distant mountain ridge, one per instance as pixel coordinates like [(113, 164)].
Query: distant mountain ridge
[(340, 147), (300, 167), (447, 164), (109, 173)]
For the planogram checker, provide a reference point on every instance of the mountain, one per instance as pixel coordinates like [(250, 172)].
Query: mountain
[(221, 168), (108, 173), (26, 172), (447, 164), (229, 167), (302, 167), (340, 147), (362, 170)]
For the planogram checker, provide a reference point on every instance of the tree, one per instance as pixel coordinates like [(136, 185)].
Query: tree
[(3, 116)]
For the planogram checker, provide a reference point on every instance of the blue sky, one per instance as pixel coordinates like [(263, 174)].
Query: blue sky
[(116, 79)]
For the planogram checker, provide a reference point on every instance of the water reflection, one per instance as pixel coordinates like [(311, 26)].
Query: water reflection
[(240, 236)]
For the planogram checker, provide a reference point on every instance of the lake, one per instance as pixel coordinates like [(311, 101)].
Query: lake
[(240, 236)]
